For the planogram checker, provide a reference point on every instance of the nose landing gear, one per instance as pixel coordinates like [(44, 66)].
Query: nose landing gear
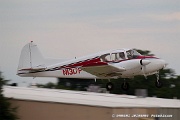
[(158, 83)]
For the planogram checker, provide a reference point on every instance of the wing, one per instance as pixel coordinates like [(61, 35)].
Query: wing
[(102, 69)]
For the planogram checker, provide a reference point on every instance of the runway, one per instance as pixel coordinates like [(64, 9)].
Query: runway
[(55, 103)]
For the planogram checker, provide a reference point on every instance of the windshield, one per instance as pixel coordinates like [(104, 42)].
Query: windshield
[(132, 54)]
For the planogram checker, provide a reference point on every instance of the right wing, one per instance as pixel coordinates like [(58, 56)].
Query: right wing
[(102, 69)]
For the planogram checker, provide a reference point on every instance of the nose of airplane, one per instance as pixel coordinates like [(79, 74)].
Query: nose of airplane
[(161, 63), (155, 65)]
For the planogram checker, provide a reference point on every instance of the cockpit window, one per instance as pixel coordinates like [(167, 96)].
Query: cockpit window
[(129, 54), (136, 53), (132, 54)]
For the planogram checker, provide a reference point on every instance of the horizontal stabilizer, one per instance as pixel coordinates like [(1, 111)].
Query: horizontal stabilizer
[(33, 69)]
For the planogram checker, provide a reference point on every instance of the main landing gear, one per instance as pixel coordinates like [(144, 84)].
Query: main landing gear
[(109, 86), (124, 86)]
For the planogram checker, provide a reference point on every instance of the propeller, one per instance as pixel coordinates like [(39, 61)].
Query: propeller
[(144, 62)]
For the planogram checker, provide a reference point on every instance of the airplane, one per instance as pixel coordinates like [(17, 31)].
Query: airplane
[(111, 64)]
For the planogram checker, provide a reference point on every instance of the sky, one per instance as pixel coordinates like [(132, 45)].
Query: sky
[(69, 28)]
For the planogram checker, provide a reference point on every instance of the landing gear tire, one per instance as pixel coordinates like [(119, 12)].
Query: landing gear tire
[(158, 84), (109, 86), (125, 86)]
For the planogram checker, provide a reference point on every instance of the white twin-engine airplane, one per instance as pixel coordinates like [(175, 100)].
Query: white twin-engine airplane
[(112, 64)]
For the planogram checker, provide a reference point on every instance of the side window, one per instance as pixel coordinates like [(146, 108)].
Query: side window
[(122, 56), (118, 56), (114, 57), (105, 58)]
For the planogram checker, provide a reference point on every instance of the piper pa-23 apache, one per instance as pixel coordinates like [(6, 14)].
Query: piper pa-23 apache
[(112, 64)]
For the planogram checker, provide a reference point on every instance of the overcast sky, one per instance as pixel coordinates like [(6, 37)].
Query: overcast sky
[(68, 28)]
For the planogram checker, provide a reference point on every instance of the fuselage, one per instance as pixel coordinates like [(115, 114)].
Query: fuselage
[(129, 60)]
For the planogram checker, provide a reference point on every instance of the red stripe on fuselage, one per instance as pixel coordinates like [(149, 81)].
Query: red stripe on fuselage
[(143, 57), (83, 63), (97, 62)]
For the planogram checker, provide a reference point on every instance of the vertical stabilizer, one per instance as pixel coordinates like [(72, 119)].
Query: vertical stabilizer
[(31, 57)]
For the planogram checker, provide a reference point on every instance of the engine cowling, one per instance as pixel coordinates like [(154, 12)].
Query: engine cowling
[(144, 62)]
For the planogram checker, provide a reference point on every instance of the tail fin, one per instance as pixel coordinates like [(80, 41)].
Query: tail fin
[(31, 58)]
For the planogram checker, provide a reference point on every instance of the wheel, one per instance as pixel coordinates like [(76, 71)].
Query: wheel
[(109, 86), (158, 84), (125, 86)]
